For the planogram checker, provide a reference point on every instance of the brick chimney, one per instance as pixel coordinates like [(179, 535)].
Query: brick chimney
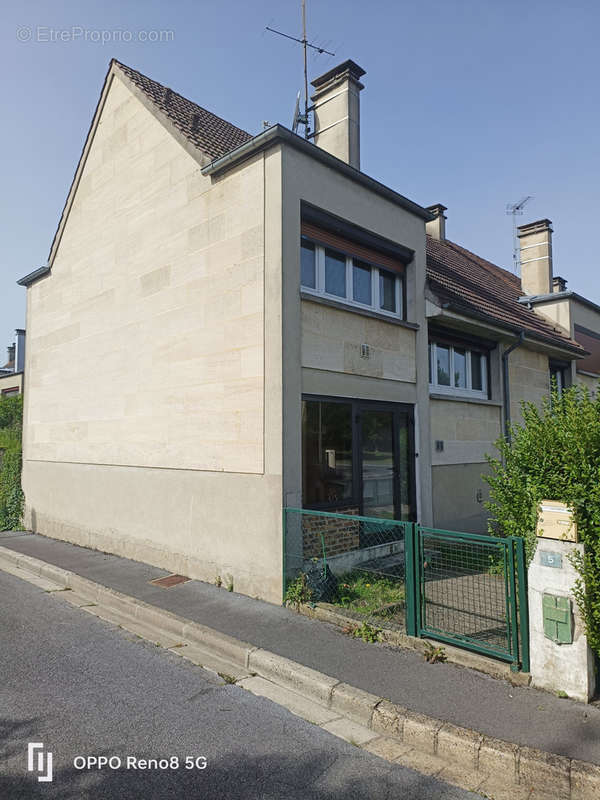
[(536, 257), (336, 107), (437, 227), (10, 364)]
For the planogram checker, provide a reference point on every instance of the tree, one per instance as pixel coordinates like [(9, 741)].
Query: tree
[(12, 500)]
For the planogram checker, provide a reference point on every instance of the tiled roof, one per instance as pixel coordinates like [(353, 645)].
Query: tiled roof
[(478, 287), (211, 134)]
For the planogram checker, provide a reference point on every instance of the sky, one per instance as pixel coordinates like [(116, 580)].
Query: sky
[(470, 103)]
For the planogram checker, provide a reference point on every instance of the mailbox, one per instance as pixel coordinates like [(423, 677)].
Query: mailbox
[(558, 618), (555, 521)]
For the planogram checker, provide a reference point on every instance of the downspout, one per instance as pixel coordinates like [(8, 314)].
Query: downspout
[(506, 382)]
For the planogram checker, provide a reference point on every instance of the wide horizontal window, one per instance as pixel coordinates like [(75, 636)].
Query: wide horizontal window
[(332, 273), (457, 370)]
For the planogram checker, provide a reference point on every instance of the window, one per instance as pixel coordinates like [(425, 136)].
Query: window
[(335, 273), (361, 283), (358, 454), (558, 375), (308, 264), (387, 291), (354, 281), (326, 452), (457, 370)]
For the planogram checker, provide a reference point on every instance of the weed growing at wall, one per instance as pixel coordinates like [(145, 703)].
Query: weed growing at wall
[(12, 500), (554, 455)]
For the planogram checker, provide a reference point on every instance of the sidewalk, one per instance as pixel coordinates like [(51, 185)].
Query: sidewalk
[(447, 692)]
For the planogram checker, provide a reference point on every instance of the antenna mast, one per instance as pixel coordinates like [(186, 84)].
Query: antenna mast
[(304, 43), (302, 119), (516, 209)]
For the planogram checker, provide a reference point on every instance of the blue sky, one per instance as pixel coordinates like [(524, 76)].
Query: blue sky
[(472, 103)]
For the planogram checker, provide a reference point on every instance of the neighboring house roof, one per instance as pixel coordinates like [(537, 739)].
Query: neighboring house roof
[(476, 287), (211, 134)]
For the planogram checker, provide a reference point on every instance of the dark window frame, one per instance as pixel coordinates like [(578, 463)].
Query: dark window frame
[(357, 406)]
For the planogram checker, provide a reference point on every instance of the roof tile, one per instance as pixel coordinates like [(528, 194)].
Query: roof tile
[(211, 134), (478, 286)]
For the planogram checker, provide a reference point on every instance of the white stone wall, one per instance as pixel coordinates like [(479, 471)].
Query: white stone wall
[(146, 409), (332, 339), (558, 667), (468, 431), (529, 375), (147, 339)]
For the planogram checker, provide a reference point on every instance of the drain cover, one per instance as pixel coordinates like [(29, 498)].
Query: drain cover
[(169, 580)]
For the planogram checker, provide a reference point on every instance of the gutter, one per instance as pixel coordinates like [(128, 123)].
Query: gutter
[(33, 276), (277, 133), (577, 350), (506, 382)]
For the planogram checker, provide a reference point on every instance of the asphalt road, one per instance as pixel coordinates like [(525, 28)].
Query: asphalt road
[(85, 688)]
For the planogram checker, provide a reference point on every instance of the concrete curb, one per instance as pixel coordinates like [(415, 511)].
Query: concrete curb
[(495, 760)]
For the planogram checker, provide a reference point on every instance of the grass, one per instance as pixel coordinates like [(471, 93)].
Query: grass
[(367, 594)]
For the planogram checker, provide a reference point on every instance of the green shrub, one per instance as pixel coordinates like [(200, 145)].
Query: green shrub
[(12, 501), (555, 455)]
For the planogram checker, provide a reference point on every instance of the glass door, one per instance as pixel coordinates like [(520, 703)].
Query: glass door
[(386, 462), (379, 469)]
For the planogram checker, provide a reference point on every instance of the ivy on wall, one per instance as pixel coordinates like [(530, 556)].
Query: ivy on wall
[(12, 500), (554, 455)]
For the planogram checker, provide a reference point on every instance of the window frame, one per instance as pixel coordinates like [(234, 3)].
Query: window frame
[(457, 391), (358, 406), (560, 370), (348, 299)]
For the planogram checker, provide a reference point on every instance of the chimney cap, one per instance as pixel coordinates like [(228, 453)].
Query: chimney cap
[(437, 209), (347, 68), (535, 227)]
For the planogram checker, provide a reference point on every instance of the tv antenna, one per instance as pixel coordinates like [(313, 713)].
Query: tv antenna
[(516, 209), (302, 119)]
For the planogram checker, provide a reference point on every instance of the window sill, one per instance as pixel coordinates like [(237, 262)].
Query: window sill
[(456, 398), (365, 312)]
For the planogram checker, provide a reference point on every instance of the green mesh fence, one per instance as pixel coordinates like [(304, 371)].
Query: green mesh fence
[(356, 563)]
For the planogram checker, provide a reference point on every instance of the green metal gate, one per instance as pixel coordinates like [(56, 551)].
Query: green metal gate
[(464, 589), (468, 590)]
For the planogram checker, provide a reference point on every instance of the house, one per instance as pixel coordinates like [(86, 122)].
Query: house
[(503, 338), (11, 374), (229, 324)]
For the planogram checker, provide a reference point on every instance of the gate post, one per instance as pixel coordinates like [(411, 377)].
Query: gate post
[(410, 582), (514, 617), (523, 603)]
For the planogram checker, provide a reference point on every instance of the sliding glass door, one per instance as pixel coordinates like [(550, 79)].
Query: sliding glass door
[(358, 455)]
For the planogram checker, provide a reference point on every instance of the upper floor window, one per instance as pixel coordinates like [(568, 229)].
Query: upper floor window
[(357, 282), (458, 370)]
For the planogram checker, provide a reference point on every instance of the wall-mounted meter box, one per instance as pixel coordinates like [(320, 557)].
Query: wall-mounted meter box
[(558, 618), (555, 521)]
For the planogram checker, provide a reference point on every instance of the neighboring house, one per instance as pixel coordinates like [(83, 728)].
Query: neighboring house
[(477, 313), (228, 325), (11, 374)]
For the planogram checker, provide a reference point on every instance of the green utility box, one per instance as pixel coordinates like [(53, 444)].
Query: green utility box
[(558, 618)]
